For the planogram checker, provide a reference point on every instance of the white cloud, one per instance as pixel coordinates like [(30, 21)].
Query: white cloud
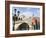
[(27, 14)]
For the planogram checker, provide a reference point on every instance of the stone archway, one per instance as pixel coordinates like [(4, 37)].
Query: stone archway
[(23, 26)]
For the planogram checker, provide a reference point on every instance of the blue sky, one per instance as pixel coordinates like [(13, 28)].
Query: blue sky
[(28, 11)]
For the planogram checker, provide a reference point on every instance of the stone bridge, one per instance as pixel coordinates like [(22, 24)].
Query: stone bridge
[(17, 23)]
